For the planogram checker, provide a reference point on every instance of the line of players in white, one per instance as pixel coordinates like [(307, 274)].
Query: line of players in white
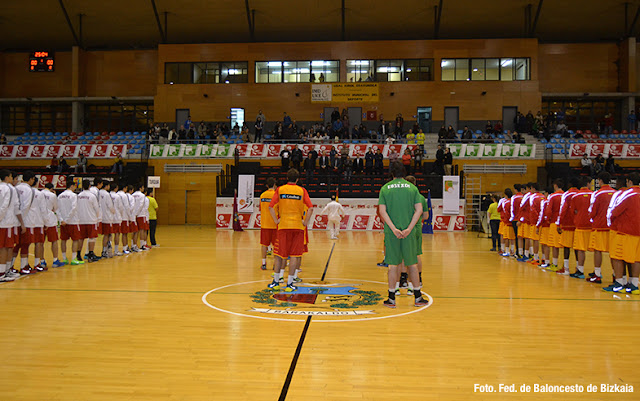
[(29, 216)]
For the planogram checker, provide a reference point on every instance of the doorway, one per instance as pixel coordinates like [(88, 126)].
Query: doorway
[(509, 117), (193, 207), (327, 115), (355, 116), (424, 119), (237, 117), (181, 116), (451, 117)]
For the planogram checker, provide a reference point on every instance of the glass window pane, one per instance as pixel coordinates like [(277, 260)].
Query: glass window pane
[(448, 69), (170, 73), (506, 69), (388, 70), (262, 72), (325, 71), (522, 69), (477, 69), (412, 70), (360, 70), (462, 69), (492, 69), (426, 68)]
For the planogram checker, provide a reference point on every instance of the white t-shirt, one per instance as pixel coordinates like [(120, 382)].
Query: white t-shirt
[(334, 210)]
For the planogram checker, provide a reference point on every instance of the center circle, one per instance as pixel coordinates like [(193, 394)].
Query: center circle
[(334, 300)]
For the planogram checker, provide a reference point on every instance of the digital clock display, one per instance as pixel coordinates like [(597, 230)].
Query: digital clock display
[(41, 61)]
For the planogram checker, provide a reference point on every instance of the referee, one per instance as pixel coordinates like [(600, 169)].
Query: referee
[(400, 208)]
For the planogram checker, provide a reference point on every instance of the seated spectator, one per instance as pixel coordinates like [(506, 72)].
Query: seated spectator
[(54, 164), (245, 135), (517, 138), (220, 139), (390, 140), (497, 129), (610, 165), (82, 164), (451, 134), (488, 128), (442, 134), (182, 135), (172, 136), (467, 135), (63, 167), (586, 164), (118, 166), (561, 129), (596, 168), (337, 127), (578, 135), (508, 137), (485, 138)]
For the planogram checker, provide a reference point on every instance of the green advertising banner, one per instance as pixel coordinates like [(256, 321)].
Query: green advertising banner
[(508, 150), (456, 149), (473, 150), (189, 150), (207, 151), (526, 150), (490, 150), (223, 150), (156, 151)]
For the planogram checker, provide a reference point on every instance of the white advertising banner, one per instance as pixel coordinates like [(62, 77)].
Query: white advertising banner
[(450, 194), (66, 151), (245, 193), (153, 181), (361, 215), (617, 150)]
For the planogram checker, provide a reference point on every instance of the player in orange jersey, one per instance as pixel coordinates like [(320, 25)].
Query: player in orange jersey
[(509, 235), (291, 200), (268, 227), (552, 210)]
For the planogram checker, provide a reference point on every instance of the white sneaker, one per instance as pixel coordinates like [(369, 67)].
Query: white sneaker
[(155, 246), (118, 253), (10, 276), (135, 249), (126, 252)]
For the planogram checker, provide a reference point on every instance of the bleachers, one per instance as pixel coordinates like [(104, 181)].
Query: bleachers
[(135, 141)]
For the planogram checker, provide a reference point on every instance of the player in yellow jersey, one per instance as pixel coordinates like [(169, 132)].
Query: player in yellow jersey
[(291, 200), (268, 227)]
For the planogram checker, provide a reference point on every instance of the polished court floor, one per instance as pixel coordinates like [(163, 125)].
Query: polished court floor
[(191, 321)]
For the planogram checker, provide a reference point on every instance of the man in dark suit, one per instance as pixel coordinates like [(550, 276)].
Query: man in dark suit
[(438, 166), (323, 162), (358, 165), (378, 162), (368, 162)]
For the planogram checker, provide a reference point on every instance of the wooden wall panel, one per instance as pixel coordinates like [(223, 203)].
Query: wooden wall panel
[(120, 73), (18, 81), (578, 67)]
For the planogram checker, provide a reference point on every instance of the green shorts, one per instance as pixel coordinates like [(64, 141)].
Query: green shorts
[(419, 240), (397, 250)]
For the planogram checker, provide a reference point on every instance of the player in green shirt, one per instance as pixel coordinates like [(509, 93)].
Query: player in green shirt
[(400, 209)]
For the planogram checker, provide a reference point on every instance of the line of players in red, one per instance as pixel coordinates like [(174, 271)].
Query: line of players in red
[(535, 226), (31, 216)]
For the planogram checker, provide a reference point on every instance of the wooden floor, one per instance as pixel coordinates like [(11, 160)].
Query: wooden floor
[(139, 328)]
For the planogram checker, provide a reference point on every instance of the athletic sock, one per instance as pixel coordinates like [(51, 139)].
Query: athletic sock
[(520, 251), (417, 293), (555, 261), (530, 250), (264, 261), (621, 281), (535, 256), (36, 261), (392, 295), (295, 274), (115, 248), (24, 262), (598, 271), (397, 285), (624, 280), (580, 269), (526, 253), (635, 281), (290, 280)]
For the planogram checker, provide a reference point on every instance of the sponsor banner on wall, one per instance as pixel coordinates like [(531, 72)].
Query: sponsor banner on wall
[(450, 194), (66, 151), (617, 150), (245, 193), (59, 181), (345, 92), (361, 215)]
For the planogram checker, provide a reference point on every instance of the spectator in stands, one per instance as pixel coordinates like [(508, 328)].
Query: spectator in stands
[(420, 136), (600, 159), (259, 127), (3, 139), (285, 157), (261, 116), (286, 120), (608, 124), (344, 152), (54, 164), (378, 162), (82, 164), (398, 130), (610, 165), (358, 164), (467, 134), (296, 158), (497, 129), (324, 163), (418, 153), (337, 128), (278, 130), (508, 137), (335, 115), (406, 160), (390, 140), (586, 164), (484, 138), (182, 135), (294, 129), (171, 137), (631, 118), (451, 134), (187, 124), (309, 166), (346, 124), (118, 166), (410, 137), (393, 156), (448, 161), (596, 168), (63, 167), (488, 127), (539, 118), (202, 130), (415, 127), (442, 134), (561, 129), (382, 129), (517, 138), (530, 120), (245, 135), (220, 139), (368, 162)]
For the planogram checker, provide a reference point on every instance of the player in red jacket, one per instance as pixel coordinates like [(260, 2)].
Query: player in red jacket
[(582, 219), (509, 234), (535, 204), (552, 211), (599, 241), (566, 224)]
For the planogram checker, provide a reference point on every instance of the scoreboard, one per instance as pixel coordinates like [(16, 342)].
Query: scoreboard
[(40, 61)]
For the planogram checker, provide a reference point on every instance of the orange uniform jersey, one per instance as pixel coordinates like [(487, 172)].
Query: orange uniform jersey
[(291, 200), (566, 215), (580, 205), (543, 217), (625, 212), (598, 208), (266, 221), (506, 211), (613, 224)]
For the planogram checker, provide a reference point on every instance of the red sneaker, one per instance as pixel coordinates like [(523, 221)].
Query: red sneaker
[(595, 279), (41, 268), (26, 270), (147, 247)]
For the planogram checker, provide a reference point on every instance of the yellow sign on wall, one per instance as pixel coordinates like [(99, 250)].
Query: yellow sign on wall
[(345, 92)]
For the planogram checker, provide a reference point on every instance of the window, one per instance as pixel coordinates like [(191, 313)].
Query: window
[(206, 73), (580, 114), (297, 71), (325, 71), (360, 70), (389, 70), (118, 117), (268, 71), (178, 73), (418, 70), (490, 69), (47, 117)]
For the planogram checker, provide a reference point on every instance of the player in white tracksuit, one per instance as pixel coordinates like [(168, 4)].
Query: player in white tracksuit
[(124, 212), (88, 218), (36, 215), (139, 200), (108, 211), (69, 227), (10, 225), (335, 212), (117, 218), (25, 197), (51, 222)]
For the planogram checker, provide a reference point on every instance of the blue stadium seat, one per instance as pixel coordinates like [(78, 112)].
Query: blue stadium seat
[(130, 151), (474, 136), (572, 141), (459, 131), (119, 133), (58, 134), (496, 141), (549, 146), (267, 137), (143, 133), (557, 136), (562, 141), (128, 133), (559, 146), (42, 134), (629, 141), (603, 137), (556, 152), (136, 133), (581, 141), (543, 140), (136, 146), (500, 136), (479, 132), (553, 140)]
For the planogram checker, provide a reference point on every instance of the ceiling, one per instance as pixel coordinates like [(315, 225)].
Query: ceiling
[(127, 24)]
